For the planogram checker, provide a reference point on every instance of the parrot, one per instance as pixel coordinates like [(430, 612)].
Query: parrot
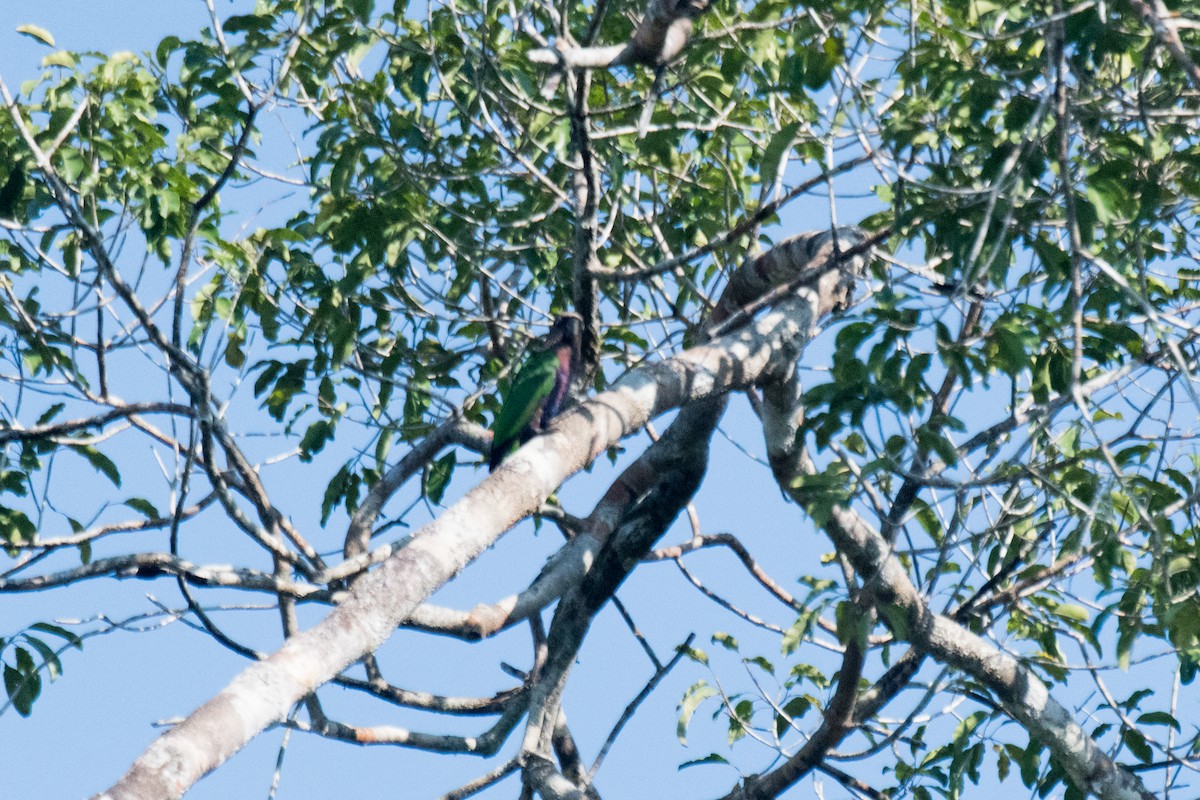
[(538, 390)]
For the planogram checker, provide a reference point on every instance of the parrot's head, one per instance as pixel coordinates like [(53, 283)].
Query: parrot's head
[(566, 330)]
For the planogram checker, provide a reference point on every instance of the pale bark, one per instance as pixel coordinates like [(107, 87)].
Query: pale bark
[(659, 37)]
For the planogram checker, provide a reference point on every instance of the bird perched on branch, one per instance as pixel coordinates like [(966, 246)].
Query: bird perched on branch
[(539, 389)]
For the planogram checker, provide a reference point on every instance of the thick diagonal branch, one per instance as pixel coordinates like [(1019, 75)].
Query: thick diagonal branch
[(811, 254), (1019, 690)]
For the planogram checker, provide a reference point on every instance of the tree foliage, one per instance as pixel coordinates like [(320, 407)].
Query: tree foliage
[(313, 242)]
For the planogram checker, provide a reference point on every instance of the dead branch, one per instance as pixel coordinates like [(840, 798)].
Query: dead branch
[(659, 37)]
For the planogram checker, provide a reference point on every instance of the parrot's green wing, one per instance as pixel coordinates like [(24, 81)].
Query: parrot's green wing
[(522, 402)]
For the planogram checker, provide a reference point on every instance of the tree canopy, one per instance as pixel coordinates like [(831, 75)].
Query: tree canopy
[(943, 250)]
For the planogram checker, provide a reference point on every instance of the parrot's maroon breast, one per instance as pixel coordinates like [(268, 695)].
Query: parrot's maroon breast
[(562, 382)]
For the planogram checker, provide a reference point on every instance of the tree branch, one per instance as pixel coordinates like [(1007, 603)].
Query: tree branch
[(122, 411), (1020, 692)]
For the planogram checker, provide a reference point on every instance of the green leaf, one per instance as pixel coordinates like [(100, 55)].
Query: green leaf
[(968, 725), (439, 477), (820, 61), (61, 58), (12, 685), (775, 151), (1137, 745), (795, 634), (793, 710), (1159, 718), (696, 694), (810, 672), (167, 46), (50, 413), (725, 640), (100, 462), (711, 758), (49, 657), (344, 169), (739, 720), (16, 527), (762, 663), (241, 23), (143, 507), (62, 633), (14, 482), (12, 192), (1125, 642), (315, 438), (1012, 345), (22, 683), (897, 619), (1072, 612), (235, 356), (851, 622), (343, 485), (115, 60), (932, 440), (37, 34)]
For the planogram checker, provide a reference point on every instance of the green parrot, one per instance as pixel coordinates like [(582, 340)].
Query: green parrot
[(539, 389)]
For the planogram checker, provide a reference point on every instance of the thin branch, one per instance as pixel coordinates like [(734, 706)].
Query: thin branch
[(483, 781), (122, 411), (632, 708), (743, 228), (153, 565)]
